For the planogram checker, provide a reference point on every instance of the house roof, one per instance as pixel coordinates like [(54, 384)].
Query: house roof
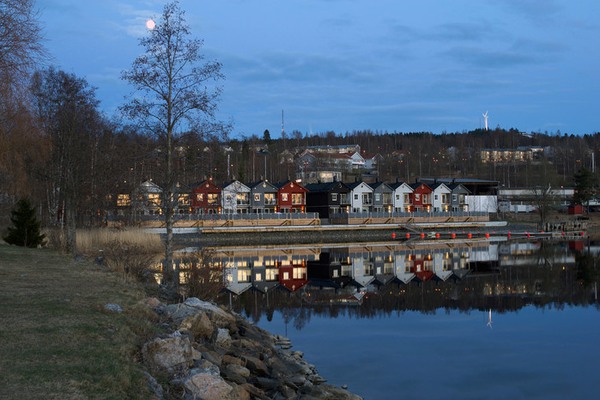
[(354, 185), (325, 186), (263, 182)]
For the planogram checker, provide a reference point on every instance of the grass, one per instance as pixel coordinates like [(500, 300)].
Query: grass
[(92, 241), (56, 339)]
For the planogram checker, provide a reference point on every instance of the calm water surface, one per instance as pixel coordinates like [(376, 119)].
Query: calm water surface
[(432, 320), (534, 353)]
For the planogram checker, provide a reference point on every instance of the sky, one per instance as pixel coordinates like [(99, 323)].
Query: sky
[(348, 65)]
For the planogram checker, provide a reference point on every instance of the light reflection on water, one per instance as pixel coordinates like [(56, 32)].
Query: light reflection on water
[(506, 321), (543, 353)]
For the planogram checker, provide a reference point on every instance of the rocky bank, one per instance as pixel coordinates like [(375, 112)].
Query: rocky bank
[(214, 354)]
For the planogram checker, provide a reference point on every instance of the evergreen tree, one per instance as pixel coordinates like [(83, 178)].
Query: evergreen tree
[(26, 228)]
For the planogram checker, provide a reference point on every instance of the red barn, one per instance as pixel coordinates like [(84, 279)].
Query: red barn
[(291, 197), (206, 198)]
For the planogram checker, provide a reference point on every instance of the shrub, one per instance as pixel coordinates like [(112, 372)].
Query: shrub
[(26, 228)]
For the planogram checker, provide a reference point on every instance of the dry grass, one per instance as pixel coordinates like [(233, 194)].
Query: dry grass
[(56, 339), (90, 242)]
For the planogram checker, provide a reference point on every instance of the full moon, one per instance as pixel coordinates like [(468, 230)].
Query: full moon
[(150, 24)]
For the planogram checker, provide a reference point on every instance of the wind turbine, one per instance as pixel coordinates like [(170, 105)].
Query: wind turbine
[(485, 120)]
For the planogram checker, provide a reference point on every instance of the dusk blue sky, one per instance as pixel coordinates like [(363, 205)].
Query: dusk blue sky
[(345, 65)]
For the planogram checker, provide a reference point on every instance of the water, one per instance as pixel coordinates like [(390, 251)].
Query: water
[(533, 353), (492, 321)]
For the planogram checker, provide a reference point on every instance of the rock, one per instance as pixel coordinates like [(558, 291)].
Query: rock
[(172, 354), (254, 391), (238, 369), (256, 366), (206, 367), (113, 308), (229, 359), (267, 383), (222, 338), (236, 373), (213, 357), (199, 325), (209, 387), (154, 386)]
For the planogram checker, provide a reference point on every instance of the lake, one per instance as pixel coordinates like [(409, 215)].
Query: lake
[(465, 320)]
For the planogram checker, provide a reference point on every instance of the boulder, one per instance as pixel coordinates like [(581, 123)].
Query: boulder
[(209, 387), (173, 353), (199, 325), (222, 338)]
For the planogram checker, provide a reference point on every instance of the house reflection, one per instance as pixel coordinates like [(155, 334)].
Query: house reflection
[(409, 275)]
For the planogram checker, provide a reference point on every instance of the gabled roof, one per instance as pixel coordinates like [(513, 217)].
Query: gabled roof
[(149, 187), (204, 185), (416, 185), (325, 186), (282, 184), (264, 183), (234, 183), (379, 184), (354, 185), (454, 186), (396, 185), (439, 185)]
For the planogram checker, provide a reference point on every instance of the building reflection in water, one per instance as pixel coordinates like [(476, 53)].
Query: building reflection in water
[(371, 278)]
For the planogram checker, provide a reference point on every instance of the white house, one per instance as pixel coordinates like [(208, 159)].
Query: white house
[(235, 198), (401, 196), (361, 197), (441, 197)]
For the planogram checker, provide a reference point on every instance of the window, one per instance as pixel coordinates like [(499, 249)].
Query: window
[(284, 196), (212, 198), (154, 199), (242, 198), (356, 196), (270, 199), (298, 273), (257, 197), (297, 198), (123, 200), (200, 197), (417, 197), (271, 274), (378, 197), (334, 196), (406, 198)]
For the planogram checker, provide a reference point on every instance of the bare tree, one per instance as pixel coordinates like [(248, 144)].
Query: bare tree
[(66, 109), (20, 42), (172, 96)]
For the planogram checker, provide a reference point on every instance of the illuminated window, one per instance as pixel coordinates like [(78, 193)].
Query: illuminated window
[(297, 198), (212, 198), (123, 200)]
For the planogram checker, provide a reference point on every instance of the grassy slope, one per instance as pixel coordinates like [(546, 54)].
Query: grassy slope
[(56, 340)]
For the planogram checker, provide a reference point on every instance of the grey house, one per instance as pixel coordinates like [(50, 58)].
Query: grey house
[(458, 197), (383, 200), (263, 197)]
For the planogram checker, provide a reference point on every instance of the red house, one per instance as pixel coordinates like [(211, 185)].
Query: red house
[(291, 197), (420, 197), (206, 198), (293, 277)]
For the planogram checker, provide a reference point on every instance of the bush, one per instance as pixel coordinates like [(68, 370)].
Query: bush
[(26, 228)]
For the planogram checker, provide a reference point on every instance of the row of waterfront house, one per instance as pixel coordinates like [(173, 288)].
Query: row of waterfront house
[(324, 199)]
